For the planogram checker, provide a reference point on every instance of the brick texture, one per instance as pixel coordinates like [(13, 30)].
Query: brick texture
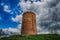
[(29, 23)]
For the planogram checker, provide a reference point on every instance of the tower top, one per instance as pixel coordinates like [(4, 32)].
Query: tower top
[(29, 13)]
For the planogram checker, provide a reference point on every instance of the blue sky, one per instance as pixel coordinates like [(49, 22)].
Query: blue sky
[(5, 17)]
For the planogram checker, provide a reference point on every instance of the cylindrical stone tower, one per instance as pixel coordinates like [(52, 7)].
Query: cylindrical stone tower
[(29, 23)]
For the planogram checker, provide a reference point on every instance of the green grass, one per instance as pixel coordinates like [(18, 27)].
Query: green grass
[(33, 37)]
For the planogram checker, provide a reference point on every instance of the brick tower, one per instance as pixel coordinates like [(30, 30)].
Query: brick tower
[(29, 23)]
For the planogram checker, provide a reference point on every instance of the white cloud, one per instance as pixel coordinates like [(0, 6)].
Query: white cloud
[(18, 18), (44, 32), (2, 4), (19, 26), (11, 31), (24, 6), (6, 8)]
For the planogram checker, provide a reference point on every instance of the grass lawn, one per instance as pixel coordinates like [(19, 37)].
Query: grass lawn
[(33, 37)]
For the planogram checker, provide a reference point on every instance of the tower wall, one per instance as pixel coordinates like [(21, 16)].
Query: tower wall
[(29, 23)]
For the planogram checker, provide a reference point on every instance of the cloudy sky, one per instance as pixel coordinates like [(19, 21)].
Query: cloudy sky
[(47, 15)]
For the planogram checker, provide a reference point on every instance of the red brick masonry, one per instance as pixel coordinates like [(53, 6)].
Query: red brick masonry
[(29, 23)]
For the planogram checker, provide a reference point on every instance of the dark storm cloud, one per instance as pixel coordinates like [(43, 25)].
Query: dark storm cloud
[(52, 21), (52, 3)]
